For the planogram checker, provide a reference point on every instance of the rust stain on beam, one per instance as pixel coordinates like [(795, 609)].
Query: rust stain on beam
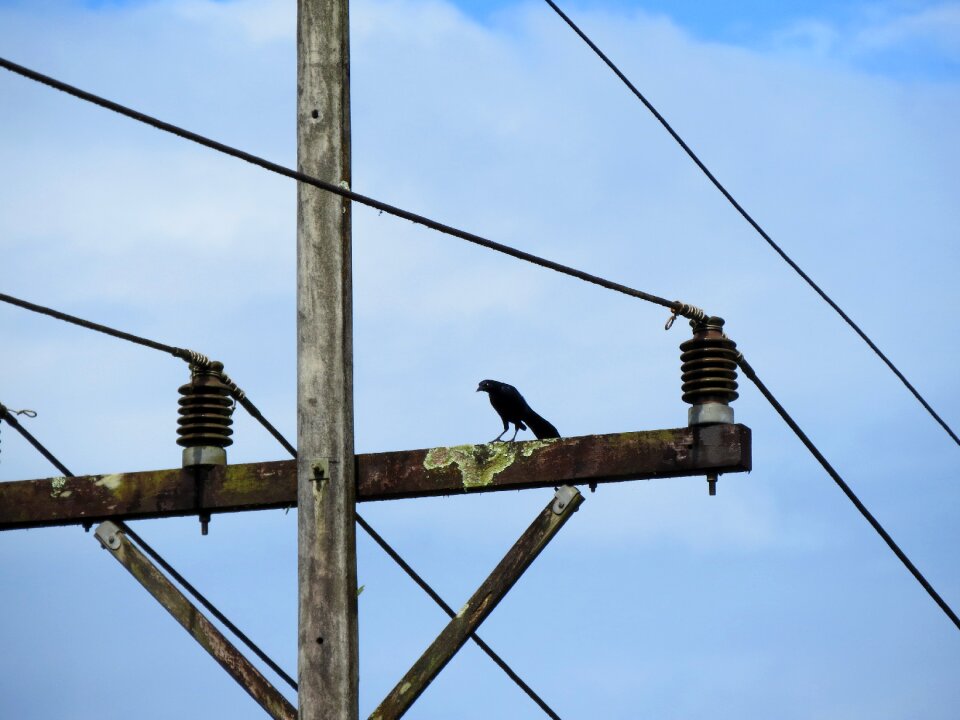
[(381, 476), (155, 493)]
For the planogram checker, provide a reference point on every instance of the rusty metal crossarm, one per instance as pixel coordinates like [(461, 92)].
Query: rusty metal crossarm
[(461, 469), (195, 622), (543, 529)]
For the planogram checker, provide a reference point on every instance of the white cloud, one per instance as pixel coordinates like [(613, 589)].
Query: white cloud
[(935, 28), (883, 30), (260, 21)]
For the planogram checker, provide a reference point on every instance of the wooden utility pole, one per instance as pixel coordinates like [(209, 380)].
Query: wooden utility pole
[(328, 655)]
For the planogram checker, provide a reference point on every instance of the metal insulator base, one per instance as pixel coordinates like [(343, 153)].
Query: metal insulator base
[(206, 411), (709, 373), (204, 455), (709, 414)]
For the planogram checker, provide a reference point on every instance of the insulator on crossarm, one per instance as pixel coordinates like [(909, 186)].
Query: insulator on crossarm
[(206, 410), (709, 375)]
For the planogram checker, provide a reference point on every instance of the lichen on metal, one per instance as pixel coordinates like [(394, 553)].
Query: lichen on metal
[(480, 464), (56, 487), (110, 482), (530, 446)]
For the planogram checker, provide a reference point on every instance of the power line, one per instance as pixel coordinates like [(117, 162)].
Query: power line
[(6, 415), (753, 223), (130, 337), (90, 325), (435, 596), (675, 305), (501, 663), (207, 604), (189, 356), (747, 369), (752, 375)]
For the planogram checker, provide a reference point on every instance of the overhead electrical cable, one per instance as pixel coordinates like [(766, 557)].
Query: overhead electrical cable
[(874, 523), (674, 305), (747, 369), (435, 596), (677, 307), (451, 613), (130, 337), (753, 223), (189, 356)]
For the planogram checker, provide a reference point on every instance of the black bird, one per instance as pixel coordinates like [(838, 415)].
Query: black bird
[(512, 408)]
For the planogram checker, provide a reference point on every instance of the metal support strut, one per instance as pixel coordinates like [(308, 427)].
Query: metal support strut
[(543, 529), (112, 538)]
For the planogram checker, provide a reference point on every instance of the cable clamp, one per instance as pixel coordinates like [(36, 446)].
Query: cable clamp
[(109, 535), (196, 360), (563, 497), (199, 361)]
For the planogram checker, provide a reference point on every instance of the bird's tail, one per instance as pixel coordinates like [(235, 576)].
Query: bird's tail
[(540, 427)]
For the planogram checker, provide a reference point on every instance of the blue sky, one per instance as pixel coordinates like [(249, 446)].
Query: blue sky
[(833, 123)]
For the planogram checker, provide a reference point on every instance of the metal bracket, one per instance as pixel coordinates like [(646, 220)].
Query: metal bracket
[(321, 469), (562, 498), (109, 535)]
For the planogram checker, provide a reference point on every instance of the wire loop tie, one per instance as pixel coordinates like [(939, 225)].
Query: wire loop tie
[(28, 413), (691, 312)]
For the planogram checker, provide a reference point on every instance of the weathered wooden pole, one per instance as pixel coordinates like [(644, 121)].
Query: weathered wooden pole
[(328, 657)]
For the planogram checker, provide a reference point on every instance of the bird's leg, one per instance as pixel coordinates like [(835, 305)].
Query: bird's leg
[(505, 428), (516, 429)]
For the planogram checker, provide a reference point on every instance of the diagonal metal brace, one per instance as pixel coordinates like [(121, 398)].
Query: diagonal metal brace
[(194, 622), (478, 608)]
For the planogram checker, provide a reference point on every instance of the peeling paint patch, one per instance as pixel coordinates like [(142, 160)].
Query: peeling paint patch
[(110, 482)]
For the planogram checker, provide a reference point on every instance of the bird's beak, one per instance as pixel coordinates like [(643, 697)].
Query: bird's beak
[(479, 388)]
